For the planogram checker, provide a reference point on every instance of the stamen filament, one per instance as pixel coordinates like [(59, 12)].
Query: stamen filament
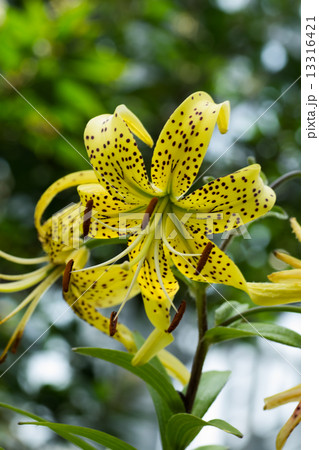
[(119, 230), (203, 259), (15, 286), (117, 257), (39, 290), (21, 325), (149, 211), (159, 275), (138, 269), (4, 276), (172, 249), (26, 261)]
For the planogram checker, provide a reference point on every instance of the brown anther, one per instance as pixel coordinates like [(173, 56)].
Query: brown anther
[(113, 323), (149, 211), (67, 275), (177, 318), (87, 218), (204, 257), (16, 342), (3, 358)]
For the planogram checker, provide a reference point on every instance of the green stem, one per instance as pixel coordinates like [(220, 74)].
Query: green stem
[(261, 309), (287, 176), (202, 347)]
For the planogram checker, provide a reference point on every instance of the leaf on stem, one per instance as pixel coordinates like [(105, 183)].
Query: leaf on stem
[(97, 436), (268, 331), (147, 373), (183, 428), (211, 383)]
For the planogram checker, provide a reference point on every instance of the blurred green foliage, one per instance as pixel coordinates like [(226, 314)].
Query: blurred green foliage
[(72, 60)]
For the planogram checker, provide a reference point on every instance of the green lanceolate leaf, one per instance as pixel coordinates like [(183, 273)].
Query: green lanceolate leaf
[(212, 447), (147, 373), (183, 428), (67, 436), (211, 383), (228, 309), (97, 436), (269, 331)]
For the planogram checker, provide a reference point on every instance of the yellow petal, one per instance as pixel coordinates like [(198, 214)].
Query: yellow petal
[(219, 268), (285, 276), (290, 395), (60, 235), (287, 429), (134, 124), (296, 228), (288, 259), (115, 158), (183, 142), (73, 179), (103, 287), (111, 216), (152, 278), (156, 341), (86, 311), (230, 201), (269, 294), (174, 367)]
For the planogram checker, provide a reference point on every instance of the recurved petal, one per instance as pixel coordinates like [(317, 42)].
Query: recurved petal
[(218, 268), (84, 304), (274, 293), (288, 428), (116, 160), (71, 180), (60, 234), (285, 276), (290, 395), (228, 202), (183, 142)]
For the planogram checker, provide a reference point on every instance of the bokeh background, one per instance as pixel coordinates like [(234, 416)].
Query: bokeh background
[(72, 60)]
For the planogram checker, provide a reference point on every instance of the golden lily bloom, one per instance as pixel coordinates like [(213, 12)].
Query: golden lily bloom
[(285, 286), (166, 226), (291, 395), (60, 238)]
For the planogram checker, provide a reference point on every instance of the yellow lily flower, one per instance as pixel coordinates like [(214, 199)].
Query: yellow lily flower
[(166, 226), (125, 192), (285, 286), (60, 239), (291, 395)]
